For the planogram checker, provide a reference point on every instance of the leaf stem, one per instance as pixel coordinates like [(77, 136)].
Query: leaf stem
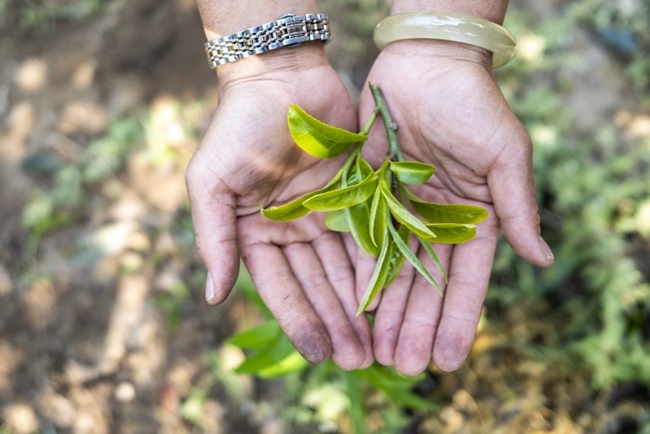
[(353, 156), (357, 148), (370, 122), (391, 127)]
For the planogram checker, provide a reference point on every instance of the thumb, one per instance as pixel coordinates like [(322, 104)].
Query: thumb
[(213, 207), (512, 186)]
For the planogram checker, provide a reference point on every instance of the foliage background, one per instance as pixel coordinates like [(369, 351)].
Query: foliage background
[(103, 327)]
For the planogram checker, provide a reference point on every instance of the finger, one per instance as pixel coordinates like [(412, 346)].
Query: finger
[(390, 314), (347, 350), (512, 187), (468, 282), (213, 213), (351, 248), (283, 295), (415, 341), (335, 260)]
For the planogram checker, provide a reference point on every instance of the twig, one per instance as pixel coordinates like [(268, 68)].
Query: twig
[(391, 127)]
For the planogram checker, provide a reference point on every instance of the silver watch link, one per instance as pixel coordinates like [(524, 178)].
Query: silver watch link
[(288, 31)]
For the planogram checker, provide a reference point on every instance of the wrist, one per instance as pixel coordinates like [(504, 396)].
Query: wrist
[(250, 39), (492, 10), (439, 49), (222, 18), (287, 63)]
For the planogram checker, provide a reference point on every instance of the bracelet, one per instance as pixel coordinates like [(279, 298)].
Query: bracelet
[(289, 31), (449, 27)]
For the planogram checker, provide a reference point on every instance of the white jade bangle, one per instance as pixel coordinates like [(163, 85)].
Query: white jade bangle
[(449, 27)]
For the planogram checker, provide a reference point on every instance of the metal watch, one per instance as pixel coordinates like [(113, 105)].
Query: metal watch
[(289, 31)]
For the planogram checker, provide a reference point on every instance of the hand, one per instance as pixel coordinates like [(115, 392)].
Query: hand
[(247, 158), (451, 114)]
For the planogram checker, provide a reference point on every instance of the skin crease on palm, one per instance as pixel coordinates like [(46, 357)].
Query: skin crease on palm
[(450, 114)]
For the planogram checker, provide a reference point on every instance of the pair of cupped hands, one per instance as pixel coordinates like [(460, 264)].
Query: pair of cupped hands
[(449, 113)]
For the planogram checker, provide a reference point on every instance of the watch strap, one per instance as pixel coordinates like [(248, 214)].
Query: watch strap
[(288, 31)]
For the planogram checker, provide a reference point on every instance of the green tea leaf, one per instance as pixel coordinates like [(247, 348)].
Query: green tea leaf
[(358, 216), (294, 362), (397, 258), (406, 398), (295, 209), (452, 233), (396, 386), (362, 170), (404, 248), (403, 215), (432, 254), (447, 213), (384, 377), (289, 211), (268, 357), (342, 197), (258, 337), (317, 138), (277, 358), (411, 172), (378, 278), (379, 216), (358, 220), (336, 221)]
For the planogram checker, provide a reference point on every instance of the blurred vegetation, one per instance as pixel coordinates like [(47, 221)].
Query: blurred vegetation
[(583, 323), (624, 27), (594, 193), (63, 199), (324, 395), (43, 15)]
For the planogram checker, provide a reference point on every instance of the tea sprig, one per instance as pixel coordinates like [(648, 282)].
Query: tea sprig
[(373, 205)]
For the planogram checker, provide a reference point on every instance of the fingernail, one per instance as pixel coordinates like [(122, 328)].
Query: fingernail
[(546, 249), (210, 295)]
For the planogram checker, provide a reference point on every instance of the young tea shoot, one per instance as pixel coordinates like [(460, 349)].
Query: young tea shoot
[(374, 205)]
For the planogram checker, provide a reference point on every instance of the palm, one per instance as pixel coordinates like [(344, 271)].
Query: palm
[(250, 141), (455, 124), (450, 113), (248, 159)]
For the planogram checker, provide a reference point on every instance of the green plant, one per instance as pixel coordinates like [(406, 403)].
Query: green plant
[(43, 14), (104, 156), (328, 393), (62, 203), (171, 303), (624, 26), (323, 394), (592, 186), (373, 204)]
